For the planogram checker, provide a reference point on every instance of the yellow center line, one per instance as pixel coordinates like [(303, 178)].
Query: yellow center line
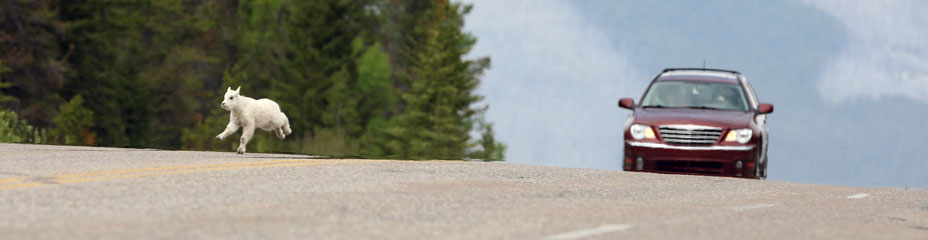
[(178, 167), (9, 180), (109, 172), (104, 178), (13, 183), (24, 185)]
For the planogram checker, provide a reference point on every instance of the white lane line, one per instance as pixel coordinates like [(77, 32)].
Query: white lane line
[(858, 196), (750, 207), (591, 232)]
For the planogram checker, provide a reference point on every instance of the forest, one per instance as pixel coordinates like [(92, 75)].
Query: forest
[(359, 78)]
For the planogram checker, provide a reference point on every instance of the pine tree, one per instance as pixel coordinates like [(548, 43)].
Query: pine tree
[(244, 40), (376, 96), (370, 78), (108, 57), (436, 118), (4, 85), (30, 36), (319, 72), (140, 67), (73, 124)]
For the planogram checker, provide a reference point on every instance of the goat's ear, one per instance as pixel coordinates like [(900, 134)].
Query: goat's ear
[(238, 89), (230, 89)]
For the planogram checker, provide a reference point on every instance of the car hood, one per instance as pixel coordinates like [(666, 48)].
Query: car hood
[(706, 117)]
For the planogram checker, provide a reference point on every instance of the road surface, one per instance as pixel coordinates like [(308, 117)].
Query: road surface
[(56, 192)]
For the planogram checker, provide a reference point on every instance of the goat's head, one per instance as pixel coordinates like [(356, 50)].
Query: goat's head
[(231, 99)]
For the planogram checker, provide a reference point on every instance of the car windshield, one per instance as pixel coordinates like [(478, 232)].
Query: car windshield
[(685, 94)]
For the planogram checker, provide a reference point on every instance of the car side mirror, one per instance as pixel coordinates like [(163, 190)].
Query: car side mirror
[(765, 108), (626, 103)]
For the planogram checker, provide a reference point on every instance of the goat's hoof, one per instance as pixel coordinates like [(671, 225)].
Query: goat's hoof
[(218, 139)]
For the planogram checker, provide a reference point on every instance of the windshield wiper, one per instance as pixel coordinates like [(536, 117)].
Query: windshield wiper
[(654, 106), (661, 106), (705, 107)]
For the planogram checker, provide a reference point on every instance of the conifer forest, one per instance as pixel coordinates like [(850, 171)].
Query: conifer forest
[(359, 78)]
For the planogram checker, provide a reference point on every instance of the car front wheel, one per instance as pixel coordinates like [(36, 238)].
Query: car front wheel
[(760, 169)]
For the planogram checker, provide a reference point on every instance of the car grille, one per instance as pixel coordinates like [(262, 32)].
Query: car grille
[(690, 134)]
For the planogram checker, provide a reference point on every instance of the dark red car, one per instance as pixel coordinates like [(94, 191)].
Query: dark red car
[(697, 121)]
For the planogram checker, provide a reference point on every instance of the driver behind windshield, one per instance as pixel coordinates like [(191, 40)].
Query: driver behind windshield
[(674, 94)]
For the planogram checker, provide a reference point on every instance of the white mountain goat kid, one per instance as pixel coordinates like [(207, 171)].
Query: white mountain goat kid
[(249, 113)]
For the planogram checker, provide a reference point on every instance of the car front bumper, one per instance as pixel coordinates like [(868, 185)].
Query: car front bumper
[(715, 160)]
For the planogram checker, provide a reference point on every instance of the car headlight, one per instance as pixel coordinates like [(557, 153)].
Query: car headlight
[(640, 131), (741, 136)]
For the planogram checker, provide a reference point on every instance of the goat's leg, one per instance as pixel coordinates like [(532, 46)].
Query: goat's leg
[(247, 133), (280, 133), (230, 129)]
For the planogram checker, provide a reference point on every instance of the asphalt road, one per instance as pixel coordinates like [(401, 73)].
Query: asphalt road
[(54, 192)]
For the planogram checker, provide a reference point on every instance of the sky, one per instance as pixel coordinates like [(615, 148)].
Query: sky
[(886, 52), (848, 79)]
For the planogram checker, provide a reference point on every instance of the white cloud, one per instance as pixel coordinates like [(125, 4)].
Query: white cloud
[(886, 53), (554, 83)]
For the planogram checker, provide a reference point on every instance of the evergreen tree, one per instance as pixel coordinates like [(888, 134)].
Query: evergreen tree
[(487, 148), (140, 67), (376, 97), (73, 124), (318, 71), (369, 78), (247, 46), (108, 56), (30, 36), (4, 85), (436, 119)]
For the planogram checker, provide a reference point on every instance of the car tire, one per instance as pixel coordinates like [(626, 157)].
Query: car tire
[(622, 159), (760, 169), (763, 172)]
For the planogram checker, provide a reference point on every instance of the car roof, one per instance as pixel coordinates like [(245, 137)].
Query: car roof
[(699, 75)]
